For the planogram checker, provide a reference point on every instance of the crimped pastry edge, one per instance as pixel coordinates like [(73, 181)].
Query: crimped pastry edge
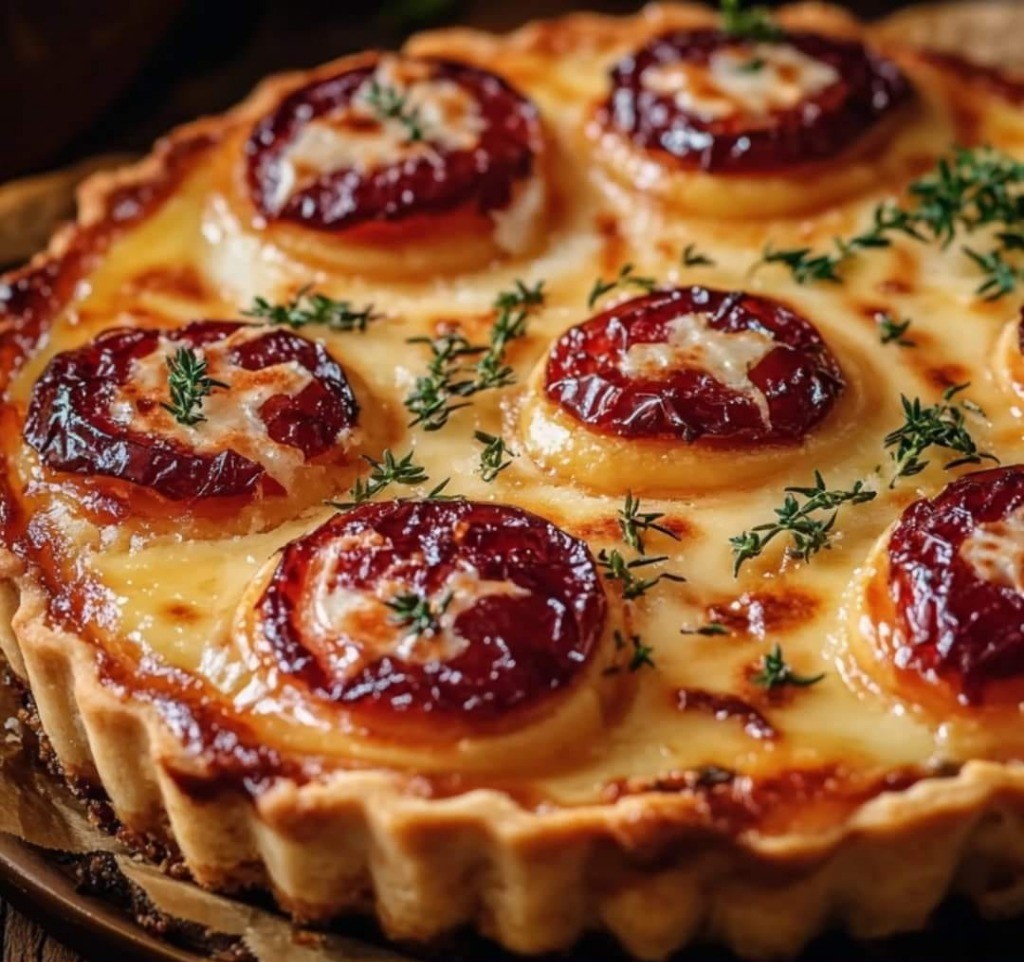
[(644, 869)]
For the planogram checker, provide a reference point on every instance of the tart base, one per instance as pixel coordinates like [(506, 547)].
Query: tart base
[(646, 868)]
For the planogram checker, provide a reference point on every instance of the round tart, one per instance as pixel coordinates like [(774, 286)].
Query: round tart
[(388, 531)]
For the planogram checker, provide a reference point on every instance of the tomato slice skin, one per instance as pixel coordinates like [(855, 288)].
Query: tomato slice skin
[(954, 623), (527, 636), (70, 422), (799, 379), (483, 177), (821, 126)]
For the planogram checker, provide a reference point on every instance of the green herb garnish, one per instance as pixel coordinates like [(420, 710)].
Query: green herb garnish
[(694, 258), (776, 673), (388, 103), (189, 386), (627, 277), (809, 532), (711, 629), (449, 381), (752, 23), (941, 425), (383, 474), (633, 523), (495, 457), (972, 189), (417, 614), (306, 308), (891, 331), (616, 568)]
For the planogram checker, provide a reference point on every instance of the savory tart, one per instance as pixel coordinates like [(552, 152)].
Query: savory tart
[(563, 482)]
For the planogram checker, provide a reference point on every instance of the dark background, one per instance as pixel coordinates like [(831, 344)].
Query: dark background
[(83, 77)]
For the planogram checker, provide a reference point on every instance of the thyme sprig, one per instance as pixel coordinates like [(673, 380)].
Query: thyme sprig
[(691, 257), (626, 278), (634, 523), (751, 23), (307, 308), (640, 655), (416, 613), (971, 189), (389, 103), (892, 331), (495, 457), (776, 672), (941, 425), (449, 381), (436, 395), (616, 568), (387, 471), (711, 629), (189, 385), (809, 523)]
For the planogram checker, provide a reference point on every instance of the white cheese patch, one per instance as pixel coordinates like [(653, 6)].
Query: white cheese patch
[(232, 414), (693, 344), (333, 612), (752, 79), (357, 137), (995, 551)]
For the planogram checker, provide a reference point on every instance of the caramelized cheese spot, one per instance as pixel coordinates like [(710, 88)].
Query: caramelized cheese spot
[(753, 79), (728, 356), (356, 137), (995, 551)]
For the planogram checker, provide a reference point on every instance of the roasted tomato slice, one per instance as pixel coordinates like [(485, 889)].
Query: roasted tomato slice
[(691, 364), (453, 609), (99, 410), (390, 140), (956, 577), (712, 102)]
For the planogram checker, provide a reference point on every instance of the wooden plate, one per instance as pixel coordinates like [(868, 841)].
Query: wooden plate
[(41, 890)]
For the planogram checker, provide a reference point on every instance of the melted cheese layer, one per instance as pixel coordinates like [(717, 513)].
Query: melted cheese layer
[(175, 599), (752, 80)]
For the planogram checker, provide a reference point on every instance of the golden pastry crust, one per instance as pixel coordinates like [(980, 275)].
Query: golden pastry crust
[(761, 860)]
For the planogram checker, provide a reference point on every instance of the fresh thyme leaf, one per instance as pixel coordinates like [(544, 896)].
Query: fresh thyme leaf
[(808, 531), (625, 278), (891, 331), (694, 258), (448, 382), (776, 673), (388, 103), (495, 457), (434, 397), (641, 655), (189, 385), (633, 523), (971, 189), (753, 23), (1000, 277), (804, 264), (711, 629), (384, 473), (307, 308), (942, 425), (616, 568), (417, 614), (754, 65)]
